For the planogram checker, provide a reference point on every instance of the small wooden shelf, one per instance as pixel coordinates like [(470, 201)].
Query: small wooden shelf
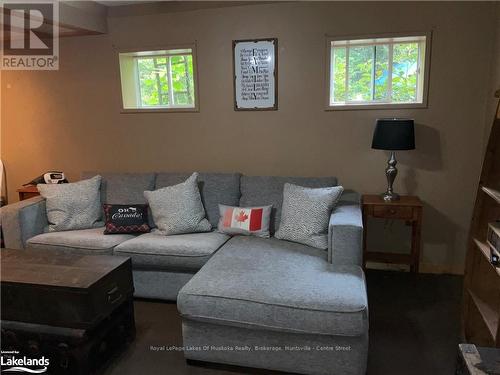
[(485, 250), (495, 194), (489, 315)]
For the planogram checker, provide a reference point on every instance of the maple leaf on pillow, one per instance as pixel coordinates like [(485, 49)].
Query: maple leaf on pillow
[(241, 217)]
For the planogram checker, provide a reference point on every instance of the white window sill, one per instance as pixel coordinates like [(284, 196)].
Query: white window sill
[(350, 107), (159, 110)]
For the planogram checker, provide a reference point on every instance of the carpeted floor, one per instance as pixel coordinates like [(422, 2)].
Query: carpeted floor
[(414, 329)]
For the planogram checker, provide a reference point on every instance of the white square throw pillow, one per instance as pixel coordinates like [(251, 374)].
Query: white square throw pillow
[(306, 213), (72, 206), (249, 221), (178, 209)]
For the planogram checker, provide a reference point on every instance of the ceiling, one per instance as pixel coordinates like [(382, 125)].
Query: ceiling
[(145, 7), (114, 3), (78, 18)]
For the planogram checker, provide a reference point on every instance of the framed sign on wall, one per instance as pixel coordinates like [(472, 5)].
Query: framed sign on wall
[(255, 67)]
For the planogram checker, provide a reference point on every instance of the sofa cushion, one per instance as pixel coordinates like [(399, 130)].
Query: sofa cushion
[(173, 253), (85, 241), (268, 190), (305, 214), (248, 221), (215, 188), (124, 188), (72, 206), (272, 284), (126, 218), (178, 209)]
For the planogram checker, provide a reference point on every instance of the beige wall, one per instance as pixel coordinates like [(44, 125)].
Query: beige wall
[(494, 79), (70, 119)]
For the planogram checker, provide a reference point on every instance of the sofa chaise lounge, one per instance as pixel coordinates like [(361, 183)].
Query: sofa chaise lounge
[(245, 301)]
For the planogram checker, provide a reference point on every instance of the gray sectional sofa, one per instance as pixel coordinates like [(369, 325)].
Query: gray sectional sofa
[(297, 308)]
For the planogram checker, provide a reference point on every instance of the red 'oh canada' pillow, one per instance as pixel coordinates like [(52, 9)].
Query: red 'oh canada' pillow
[(250, 221), (126, 218)]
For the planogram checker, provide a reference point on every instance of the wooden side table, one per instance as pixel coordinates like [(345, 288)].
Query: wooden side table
[(28, 191), (409, 209)]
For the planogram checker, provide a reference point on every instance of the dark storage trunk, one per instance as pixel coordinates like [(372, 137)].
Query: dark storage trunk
[(72, 351), (76, 310)]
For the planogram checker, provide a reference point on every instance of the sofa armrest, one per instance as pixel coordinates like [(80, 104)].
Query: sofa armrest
[(23, 220), (345, 231)]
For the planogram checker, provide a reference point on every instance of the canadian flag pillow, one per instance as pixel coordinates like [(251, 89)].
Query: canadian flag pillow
[(249, 221)]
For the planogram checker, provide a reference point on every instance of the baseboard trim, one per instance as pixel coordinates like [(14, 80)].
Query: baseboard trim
[(451, 269), (454, 269)]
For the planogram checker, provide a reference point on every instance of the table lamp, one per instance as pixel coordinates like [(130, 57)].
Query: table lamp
[(393, 134)]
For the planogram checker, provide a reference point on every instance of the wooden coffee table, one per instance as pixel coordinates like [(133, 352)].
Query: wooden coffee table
[(75, 310)]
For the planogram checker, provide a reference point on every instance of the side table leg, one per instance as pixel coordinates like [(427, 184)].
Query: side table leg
[(415, 242), (365, 230)]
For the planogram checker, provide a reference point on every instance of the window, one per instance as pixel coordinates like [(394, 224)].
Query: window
[(158, 80), (374, 73)]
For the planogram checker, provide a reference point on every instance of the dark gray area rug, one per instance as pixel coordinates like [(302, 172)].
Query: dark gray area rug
[(414, 329)]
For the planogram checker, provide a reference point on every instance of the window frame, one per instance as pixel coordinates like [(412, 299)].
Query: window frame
[(378, 105), (156, 52)]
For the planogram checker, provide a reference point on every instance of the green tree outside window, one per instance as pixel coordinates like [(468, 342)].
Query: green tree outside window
[(375, 73), (166, 81)]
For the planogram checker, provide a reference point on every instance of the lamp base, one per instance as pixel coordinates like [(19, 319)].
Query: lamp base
[(391, 172), (390, 196)]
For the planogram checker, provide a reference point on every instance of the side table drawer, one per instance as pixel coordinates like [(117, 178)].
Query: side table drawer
[(388, 212)]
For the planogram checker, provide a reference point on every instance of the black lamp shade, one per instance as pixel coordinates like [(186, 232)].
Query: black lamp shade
[(394, 134)]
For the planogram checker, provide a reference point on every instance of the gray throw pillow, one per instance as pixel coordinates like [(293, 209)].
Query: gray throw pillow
[(178, 209), (306, 213), (72, 206)]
